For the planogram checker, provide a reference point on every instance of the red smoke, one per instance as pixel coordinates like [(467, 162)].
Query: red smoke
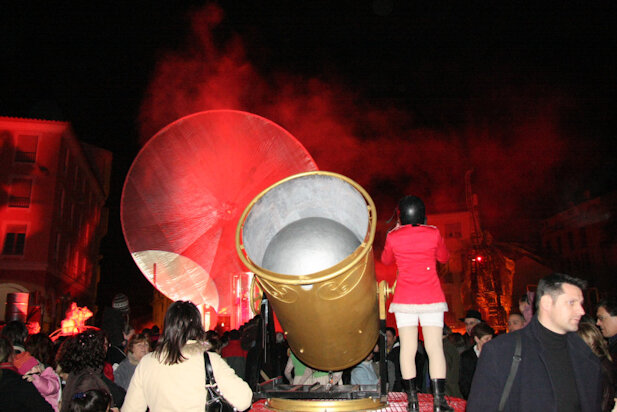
[(515, 157)]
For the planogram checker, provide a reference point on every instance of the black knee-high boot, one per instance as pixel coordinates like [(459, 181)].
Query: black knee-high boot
[(439, 393), (409, 385)]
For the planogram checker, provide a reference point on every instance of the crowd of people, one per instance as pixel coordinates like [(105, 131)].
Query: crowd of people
[(113, 368), (568, 359), (552, 357), (164, 370)]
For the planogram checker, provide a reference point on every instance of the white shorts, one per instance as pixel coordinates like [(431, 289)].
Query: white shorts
[(426, 319)]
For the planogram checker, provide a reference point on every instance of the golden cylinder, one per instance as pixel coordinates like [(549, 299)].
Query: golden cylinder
[(331, 316)]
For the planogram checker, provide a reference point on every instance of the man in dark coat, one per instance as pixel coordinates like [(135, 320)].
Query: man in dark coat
[(471, 319), (393, 354), (557, 371), (481, 333), (607, 322)]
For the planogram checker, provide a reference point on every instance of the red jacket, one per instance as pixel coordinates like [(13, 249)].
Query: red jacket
[(415, 249)]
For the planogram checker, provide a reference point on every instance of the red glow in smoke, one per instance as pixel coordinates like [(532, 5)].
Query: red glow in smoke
[(514, 158)]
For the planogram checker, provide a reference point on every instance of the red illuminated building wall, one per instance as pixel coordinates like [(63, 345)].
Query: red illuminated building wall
[(52, 215)]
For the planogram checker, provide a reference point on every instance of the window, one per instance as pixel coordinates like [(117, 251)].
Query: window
[(554, 245), (62, 200), (583, 237), (14, 240), (88, 233), (67, 156), (20, 192), (585, 260), (570, 241), (57, 246), (25, 150), (75, 263), (453, 230)]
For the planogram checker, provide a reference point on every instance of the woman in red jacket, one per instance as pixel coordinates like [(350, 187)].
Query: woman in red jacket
[(418, 297)]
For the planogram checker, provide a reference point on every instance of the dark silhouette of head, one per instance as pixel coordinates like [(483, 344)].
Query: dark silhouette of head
[(6, 350), (609, 304), (16, 332), (84, 351), (411, 211), (42, 348), (90, 401), (552, 285), (182, 323)]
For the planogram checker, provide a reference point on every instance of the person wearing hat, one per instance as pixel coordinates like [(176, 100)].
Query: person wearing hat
[(120, 302), (471, 319), (114, 323)]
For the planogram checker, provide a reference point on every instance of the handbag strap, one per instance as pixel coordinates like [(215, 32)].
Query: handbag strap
[(209, 374), (516, 359)]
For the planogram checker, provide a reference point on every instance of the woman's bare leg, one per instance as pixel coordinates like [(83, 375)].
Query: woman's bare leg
[(409, 345)]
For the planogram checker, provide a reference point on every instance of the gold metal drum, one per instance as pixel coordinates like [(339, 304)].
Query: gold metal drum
[(308, 239)]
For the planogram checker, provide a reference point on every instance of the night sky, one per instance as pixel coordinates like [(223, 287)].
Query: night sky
[(401, 96)]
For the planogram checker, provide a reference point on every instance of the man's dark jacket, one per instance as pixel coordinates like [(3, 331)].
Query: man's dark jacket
[(469, 361), (532, 389)]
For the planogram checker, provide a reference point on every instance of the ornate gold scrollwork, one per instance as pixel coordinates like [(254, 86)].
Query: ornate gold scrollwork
[(283, 293), (340, 286)]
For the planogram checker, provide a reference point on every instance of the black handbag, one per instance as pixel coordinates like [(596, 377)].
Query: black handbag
[(215, 402)]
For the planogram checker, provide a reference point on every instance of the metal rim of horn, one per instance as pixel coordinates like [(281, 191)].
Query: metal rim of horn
[(318, 276), (329, 314)]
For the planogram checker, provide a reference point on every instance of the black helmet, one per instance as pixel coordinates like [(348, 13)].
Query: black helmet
[(411, 211)]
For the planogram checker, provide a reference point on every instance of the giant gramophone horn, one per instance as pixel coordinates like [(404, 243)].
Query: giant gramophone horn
[(308, 238), (186, 190)]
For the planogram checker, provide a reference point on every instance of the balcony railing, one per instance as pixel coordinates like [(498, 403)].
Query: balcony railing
[(15, 201), (25, 157)]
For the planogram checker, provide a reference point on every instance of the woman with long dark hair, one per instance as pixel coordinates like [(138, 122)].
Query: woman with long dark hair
[(594, 339), (172, 378)]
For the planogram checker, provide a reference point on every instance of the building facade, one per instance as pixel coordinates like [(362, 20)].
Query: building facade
[(52, 216), (582, 240)]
